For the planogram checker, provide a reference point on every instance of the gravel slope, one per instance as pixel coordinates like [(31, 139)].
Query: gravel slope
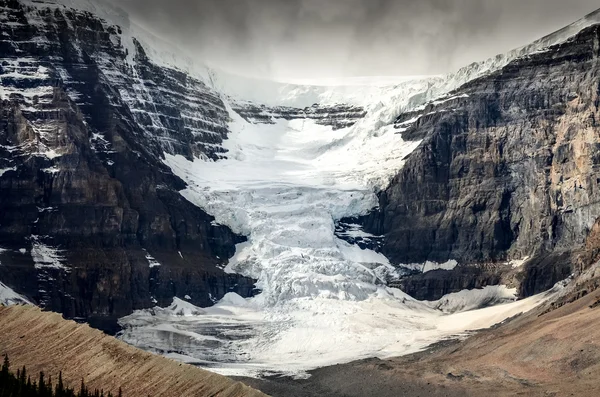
[(45, 341)]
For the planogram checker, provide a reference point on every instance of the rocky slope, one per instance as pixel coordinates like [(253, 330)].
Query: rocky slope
[(46, 342), (91, 221), (508, 169)]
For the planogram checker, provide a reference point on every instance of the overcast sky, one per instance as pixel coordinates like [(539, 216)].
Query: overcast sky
[(295, 39)]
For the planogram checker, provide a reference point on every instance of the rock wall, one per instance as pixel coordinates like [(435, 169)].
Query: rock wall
[(508, 168), (91, 221), (338, 116)]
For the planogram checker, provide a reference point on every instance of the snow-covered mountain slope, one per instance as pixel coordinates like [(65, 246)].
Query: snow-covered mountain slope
[(86, 121), (283, 184), (9, 297)]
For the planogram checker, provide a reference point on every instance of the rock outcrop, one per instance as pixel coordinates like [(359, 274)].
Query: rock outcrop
[(91, 221), (336, 116), (508, 168)]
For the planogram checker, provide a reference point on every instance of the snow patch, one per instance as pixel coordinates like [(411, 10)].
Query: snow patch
[(46, 257), (9, 297), (516, 263), (182, 308), (431, 266), (5, 170), (51, 170), (151, 261), (474, 299)]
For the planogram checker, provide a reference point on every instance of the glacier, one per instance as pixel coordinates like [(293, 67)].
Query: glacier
[(323, 301)]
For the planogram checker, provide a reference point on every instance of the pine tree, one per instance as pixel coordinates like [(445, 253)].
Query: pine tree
[(23, 375), (41, 385), (83, 391), (60, 388), (48, 392), (5, 366), (16, 386)]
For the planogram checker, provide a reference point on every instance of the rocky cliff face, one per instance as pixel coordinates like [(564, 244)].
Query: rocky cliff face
[(91, 221), (338, 116), (508, 168)]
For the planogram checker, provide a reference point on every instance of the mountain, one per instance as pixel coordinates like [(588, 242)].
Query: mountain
[(89, 210), (507, 170), (138, 188)]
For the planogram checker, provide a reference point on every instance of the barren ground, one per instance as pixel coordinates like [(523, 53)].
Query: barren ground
[(45, 341)]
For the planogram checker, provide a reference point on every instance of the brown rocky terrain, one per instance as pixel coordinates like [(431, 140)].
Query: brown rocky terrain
[(45, 341)]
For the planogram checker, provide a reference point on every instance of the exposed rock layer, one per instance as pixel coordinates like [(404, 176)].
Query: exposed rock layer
[(45, 342), (336, 116), (508, 168), (87, 208)]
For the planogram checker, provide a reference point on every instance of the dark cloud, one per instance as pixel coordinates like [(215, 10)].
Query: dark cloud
[(322, 38)]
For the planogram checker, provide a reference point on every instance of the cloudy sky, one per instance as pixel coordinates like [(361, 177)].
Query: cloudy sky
[(296, 39)]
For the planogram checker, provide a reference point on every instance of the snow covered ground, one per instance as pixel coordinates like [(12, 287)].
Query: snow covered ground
[(245, 338)]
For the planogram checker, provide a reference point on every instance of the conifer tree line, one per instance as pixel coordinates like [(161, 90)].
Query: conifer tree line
[(21, 385)]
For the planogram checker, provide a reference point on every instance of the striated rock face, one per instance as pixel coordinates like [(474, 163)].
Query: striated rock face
[(508, 168), (91, 221), (338, 116), (437, 283)]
